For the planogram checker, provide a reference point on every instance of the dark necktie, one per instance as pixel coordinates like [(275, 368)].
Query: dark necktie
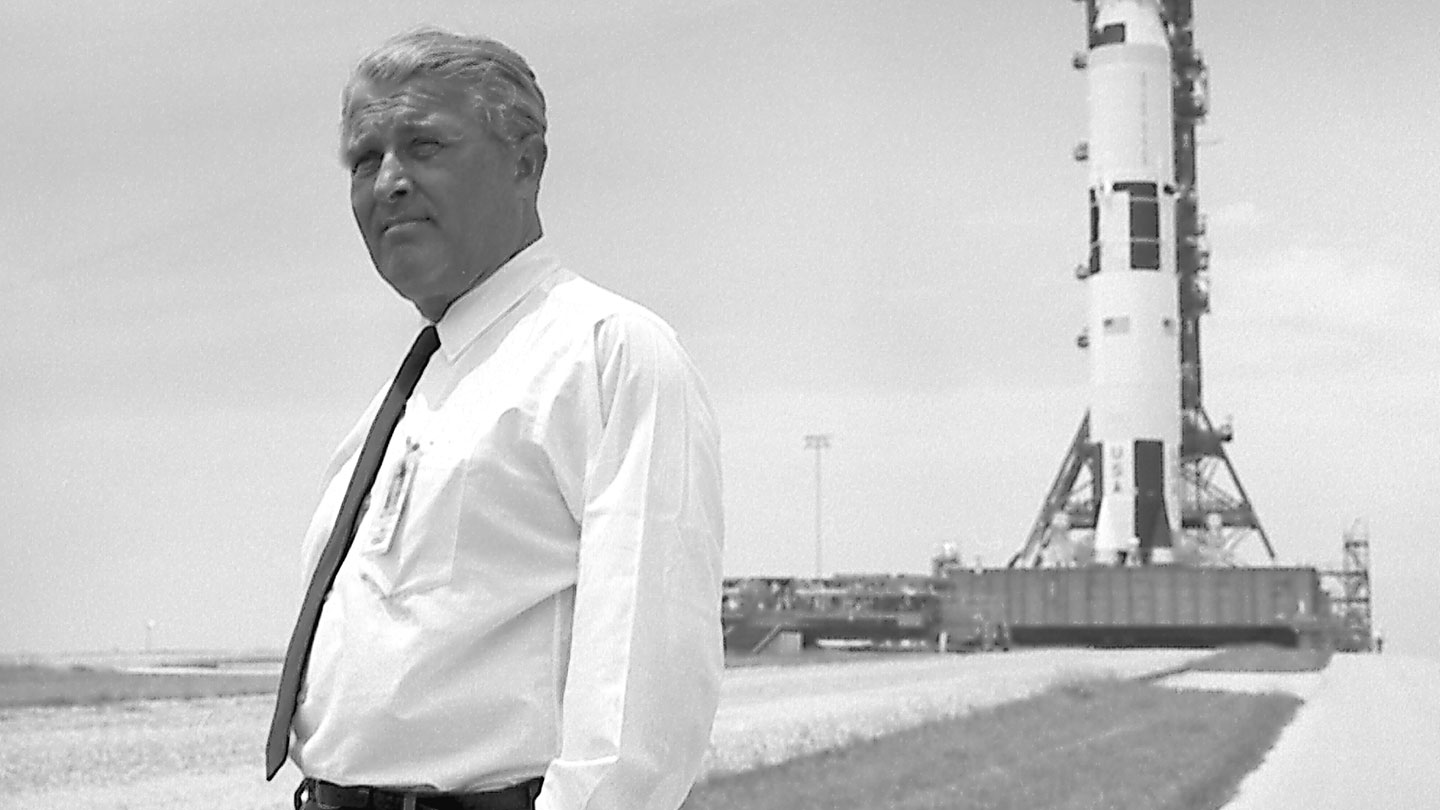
[(367, 467)]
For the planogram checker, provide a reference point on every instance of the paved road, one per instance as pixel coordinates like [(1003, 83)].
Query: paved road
[(1367, 737)]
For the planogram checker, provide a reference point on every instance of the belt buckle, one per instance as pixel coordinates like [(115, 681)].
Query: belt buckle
[(323, 794)]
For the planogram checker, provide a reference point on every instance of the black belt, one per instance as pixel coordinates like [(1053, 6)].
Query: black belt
[(328, 796)]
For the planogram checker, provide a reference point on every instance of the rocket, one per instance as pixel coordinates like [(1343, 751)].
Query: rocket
[(1132, 330)]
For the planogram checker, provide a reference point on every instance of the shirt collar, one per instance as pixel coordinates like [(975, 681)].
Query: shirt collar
[(477, 310)]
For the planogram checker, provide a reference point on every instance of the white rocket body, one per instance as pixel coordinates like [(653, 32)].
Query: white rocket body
[(1133, 322)]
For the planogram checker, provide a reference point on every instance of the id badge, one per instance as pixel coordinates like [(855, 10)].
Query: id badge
[(397, 494)]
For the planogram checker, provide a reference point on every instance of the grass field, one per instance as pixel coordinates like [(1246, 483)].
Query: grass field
[(1082, 744), (1105, 744), (41, 685), (159, 753)]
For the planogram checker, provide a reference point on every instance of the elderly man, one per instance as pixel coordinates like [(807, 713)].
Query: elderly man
[(514, 570)]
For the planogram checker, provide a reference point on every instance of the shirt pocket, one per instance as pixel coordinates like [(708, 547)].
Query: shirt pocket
[(405, 542)]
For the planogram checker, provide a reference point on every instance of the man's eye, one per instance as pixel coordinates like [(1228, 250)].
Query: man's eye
[(365, 164), (426, 148)]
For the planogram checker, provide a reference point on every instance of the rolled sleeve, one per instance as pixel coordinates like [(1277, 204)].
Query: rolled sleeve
[(646, 655)]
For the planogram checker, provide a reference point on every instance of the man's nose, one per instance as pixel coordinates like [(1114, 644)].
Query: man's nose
[(392, 181)]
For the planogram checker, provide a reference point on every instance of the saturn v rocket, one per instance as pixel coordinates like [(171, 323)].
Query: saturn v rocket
[(1132, 329)]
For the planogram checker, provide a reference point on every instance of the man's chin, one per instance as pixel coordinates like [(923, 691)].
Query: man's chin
[(411, 272), (430, 299)]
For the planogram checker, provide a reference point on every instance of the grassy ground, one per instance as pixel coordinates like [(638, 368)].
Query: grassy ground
[(1263, 658), (38, 685), (1081, 745)]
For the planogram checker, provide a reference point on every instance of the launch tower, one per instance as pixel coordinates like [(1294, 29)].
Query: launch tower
[(1349, 588), (1146, 478)]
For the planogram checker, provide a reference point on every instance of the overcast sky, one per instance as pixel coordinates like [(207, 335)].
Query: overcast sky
[(860, 216)]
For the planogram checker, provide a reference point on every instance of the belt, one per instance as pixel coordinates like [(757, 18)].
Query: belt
[(329, 796)]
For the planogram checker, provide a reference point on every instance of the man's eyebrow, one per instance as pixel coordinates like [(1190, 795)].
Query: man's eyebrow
[(357, 141), (350, 150)]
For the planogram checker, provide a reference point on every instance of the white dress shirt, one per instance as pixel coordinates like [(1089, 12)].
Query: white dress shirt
[(534, 586)]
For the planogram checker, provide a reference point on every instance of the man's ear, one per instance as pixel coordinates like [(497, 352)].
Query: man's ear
[(530, 163)]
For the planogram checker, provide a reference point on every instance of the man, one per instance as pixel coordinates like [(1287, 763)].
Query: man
[(532, 591)]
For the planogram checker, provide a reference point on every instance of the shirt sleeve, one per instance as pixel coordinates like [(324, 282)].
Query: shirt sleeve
[(646, 653)]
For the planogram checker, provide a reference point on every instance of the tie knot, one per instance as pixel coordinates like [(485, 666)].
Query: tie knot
[(426, 342), (425, 345)]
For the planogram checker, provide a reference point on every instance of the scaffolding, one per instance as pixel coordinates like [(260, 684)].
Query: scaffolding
[(1349, 589)]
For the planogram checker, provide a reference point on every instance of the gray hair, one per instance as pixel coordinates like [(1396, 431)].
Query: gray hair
[(500, 83)]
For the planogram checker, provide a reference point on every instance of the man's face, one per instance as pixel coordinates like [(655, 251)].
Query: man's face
[(441, 203)]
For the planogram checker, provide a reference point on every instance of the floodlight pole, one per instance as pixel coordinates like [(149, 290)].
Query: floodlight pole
[(819, 442)]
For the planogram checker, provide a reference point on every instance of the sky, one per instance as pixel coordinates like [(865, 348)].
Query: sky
[(860, 216)]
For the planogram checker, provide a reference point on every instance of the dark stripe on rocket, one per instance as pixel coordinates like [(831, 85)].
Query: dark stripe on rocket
[(1144, 226), (1152, 523), (1112, 34)]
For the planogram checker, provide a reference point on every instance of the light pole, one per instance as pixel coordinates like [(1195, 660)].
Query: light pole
[(819, 442)]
